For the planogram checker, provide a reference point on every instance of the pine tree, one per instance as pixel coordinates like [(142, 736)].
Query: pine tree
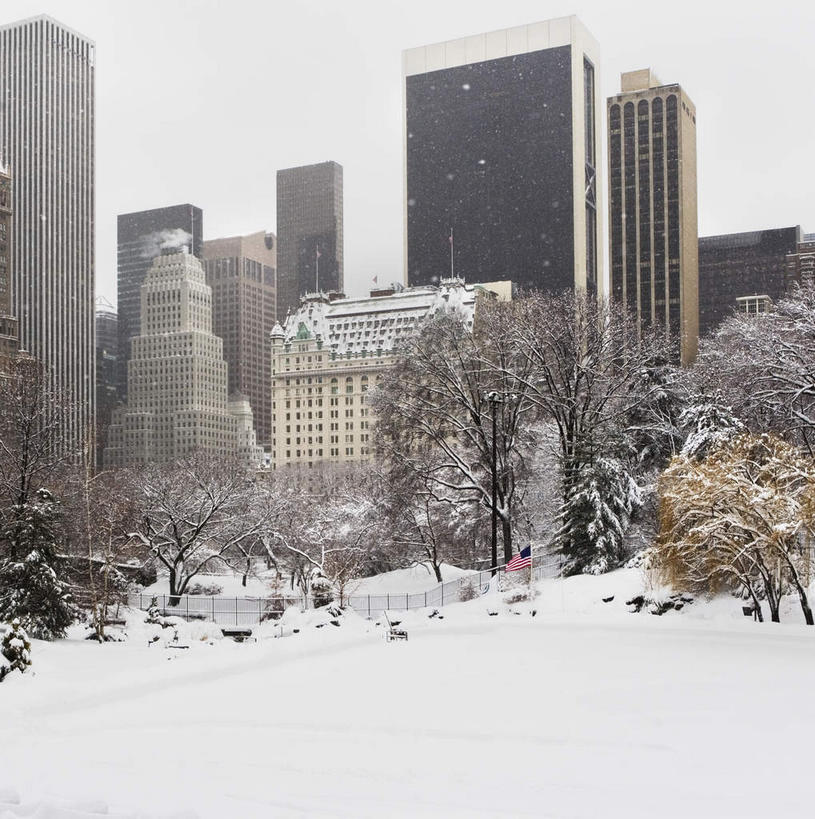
[(15, 650), (595, 516), (710, 423), (30, 588)]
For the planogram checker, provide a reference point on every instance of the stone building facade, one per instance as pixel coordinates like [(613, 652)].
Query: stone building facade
[(177, 377), (330, 353)]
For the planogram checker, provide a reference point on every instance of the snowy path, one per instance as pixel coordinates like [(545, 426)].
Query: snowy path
[(474, 716)]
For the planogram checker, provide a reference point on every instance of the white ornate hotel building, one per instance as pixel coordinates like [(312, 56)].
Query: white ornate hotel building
[(332, 352)]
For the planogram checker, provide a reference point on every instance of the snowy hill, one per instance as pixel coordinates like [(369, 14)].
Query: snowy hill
[(582, 710)]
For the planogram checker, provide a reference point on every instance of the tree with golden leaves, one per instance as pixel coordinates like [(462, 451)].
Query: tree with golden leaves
[(742, 517)]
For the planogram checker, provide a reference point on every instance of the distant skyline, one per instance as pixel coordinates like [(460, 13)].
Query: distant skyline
[(203, 101)]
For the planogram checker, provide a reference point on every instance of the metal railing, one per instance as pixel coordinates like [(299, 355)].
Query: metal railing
[(247, 611)]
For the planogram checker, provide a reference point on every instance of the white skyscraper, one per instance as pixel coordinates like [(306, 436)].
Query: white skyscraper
[(177, 376), (47, 141)]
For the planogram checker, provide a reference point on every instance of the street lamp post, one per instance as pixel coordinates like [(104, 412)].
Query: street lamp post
[(495, 398)]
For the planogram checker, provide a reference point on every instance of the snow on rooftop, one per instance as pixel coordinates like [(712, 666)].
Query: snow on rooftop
[(354, 325)]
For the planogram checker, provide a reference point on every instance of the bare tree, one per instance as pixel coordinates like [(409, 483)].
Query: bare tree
[(32, 452), (584, 363), (317, 525), (435, 416), (765, 367), (424, 527), (193, 514)]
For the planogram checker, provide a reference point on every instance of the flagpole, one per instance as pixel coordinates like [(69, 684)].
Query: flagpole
[(452, 269), (317, 268)]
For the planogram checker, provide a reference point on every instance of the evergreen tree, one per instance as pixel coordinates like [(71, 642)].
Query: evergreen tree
[(595, 516), (15, 650), (30, 588), (710, 423)]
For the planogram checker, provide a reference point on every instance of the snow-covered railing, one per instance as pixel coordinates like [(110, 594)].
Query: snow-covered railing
[(242, 611), (232, 611)]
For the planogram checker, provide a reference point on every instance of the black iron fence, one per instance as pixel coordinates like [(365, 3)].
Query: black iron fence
[(246, 611)]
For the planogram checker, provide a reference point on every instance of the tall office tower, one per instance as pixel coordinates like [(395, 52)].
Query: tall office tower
[(107, 374), (177, 394), (8, 323), (47, 100), (309, 233), (734, 265), (652, 206), (500, 158), (241, 272), (142, 236)]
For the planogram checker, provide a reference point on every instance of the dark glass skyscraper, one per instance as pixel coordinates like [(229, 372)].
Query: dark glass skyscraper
[(107, 353), (735, 265), (309, 232), (501, 158), (141, 237)]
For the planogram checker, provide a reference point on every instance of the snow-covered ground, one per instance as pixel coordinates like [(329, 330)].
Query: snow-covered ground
[(583, 710), (414, 580)]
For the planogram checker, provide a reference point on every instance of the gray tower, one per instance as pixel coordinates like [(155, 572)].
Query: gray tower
[(47, 139), (141, 237), (309, 232)]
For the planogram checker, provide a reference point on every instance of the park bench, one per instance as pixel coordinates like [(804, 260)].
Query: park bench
[(394, 633), (750, 611), (237, 633)]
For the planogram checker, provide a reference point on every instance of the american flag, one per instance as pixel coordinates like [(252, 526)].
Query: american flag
[(521, 561)]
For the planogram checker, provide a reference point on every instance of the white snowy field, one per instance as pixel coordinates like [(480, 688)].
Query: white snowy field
[(584, 710)]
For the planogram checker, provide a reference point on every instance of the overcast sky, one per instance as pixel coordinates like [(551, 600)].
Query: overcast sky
[(203, 100)]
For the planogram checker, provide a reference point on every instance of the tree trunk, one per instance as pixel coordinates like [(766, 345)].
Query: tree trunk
[(175, 596), (506, 533), (436, 570), (802, 595)]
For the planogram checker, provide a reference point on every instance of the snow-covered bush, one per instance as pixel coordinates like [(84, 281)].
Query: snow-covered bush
[(15, 650), (321, 590), (209, 589), (154, 616), (467, 591), (519, 595)]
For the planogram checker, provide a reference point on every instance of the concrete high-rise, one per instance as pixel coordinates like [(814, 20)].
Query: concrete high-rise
[(241, 272), (8, 323), (309, 232), (177, 377), (653, 237), (47, 137), (142, 236), (500, 158)]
